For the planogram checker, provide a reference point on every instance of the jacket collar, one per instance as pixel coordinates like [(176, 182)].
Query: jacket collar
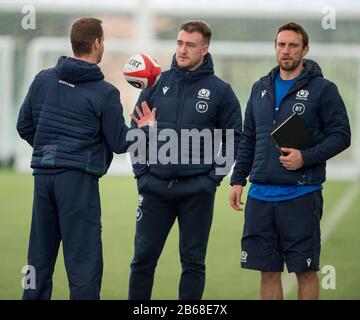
[(311, 70), (75, 70), (189, 76)]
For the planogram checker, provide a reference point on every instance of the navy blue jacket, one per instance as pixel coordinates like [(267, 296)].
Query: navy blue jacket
[(191, 100), (323, 111), (73, 119)]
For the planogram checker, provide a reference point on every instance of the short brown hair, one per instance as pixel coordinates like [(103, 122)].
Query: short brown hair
[(296, 28), (198, 26), (84, 32)]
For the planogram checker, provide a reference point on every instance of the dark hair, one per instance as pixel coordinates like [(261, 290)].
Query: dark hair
[(296, 28), (84, 32), (198, 26)]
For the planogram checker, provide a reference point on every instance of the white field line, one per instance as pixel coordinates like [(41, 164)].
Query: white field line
[(336, 214)]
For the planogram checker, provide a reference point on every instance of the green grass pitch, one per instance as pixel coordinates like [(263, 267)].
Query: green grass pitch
[(224, 280)]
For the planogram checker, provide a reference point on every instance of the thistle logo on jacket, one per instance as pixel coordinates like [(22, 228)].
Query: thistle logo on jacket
[(204, 94), (302, 95)]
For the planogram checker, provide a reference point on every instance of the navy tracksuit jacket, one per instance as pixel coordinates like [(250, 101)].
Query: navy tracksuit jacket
[(184, 100), (74, 121), (322, 109)]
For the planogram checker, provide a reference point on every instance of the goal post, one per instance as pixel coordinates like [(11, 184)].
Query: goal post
[(7, 119)]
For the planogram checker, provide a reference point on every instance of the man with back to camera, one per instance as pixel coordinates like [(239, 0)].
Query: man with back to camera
[(284, 204), (74, 121), (188, 96)]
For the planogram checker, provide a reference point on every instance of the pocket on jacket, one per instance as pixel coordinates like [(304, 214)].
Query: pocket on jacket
[(48, 155)]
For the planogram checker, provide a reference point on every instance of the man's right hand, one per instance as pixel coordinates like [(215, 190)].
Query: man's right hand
[(146, 118), (235, 197)]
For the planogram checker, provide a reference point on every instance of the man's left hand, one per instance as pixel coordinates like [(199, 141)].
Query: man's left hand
[(293, 160), (146, 117)]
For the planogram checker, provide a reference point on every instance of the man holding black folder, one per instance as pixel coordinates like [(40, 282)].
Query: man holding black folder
[(284, 205)]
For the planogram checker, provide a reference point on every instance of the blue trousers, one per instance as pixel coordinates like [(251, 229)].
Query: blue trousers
[(66, 208), (191, 201)]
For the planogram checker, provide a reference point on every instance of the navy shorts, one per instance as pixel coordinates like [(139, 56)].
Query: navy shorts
[(282, 231)]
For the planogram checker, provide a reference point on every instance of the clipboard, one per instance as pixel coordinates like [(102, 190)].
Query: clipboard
[(292, 133)]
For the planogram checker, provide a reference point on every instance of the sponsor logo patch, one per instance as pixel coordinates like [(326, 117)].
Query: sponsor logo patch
[(202, 107), (298, 108)]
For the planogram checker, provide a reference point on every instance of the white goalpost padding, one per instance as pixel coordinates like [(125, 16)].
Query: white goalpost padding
[(7, 52)]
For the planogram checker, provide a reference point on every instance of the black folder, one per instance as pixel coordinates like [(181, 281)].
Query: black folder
[(292, 133)]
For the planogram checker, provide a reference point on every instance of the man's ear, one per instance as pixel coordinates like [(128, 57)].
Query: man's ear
[(204, 50), (305, 51), (96, 44)]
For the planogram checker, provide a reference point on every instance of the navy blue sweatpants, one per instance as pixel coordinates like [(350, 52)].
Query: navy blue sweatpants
[(66, 208), (191, 201)]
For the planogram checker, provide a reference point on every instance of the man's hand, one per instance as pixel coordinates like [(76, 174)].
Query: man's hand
[(293, 160), (147, 117), (235, 197)]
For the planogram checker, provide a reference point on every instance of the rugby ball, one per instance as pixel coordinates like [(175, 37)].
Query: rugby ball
[(142, 71)]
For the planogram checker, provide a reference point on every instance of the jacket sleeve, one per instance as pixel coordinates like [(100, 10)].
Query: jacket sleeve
[(113, 123), (246, 150), (229, 117), (141, 168), (335, 126), (25, 123)]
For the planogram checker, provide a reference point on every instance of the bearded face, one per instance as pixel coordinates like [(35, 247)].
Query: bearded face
[(290, 50)]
